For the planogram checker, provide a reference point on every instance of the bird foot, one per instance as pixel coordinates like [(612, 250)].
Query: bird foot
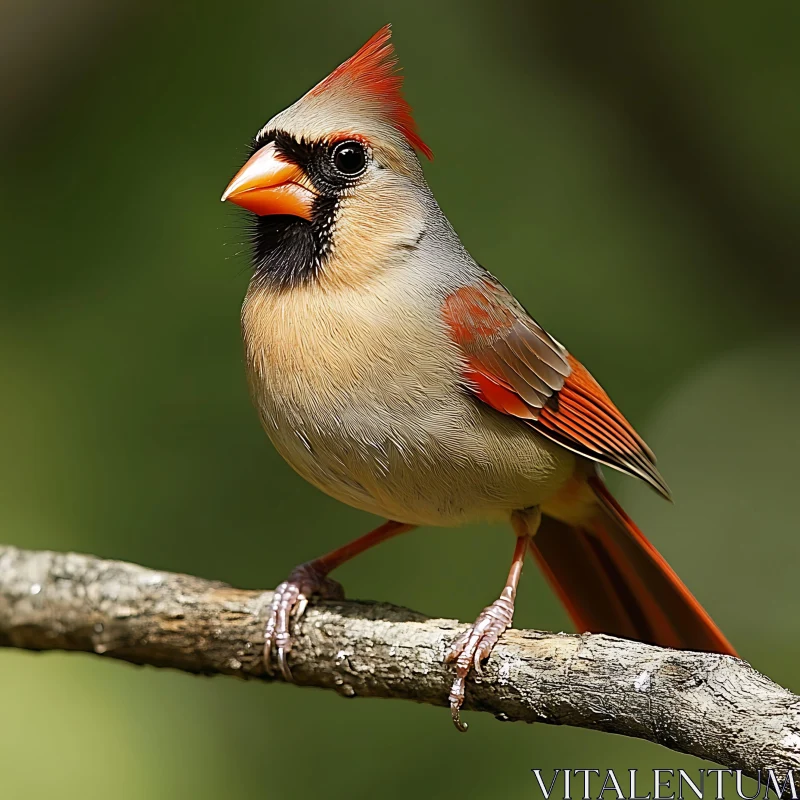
[(474, 646), (289, 601)]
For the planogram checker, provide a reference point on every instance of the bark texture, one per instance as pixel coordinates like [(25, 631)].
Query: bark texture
[(711, 706)]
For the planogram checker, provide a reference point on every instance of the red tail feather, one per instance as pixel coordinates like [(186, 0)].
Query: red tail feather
[(612, 580)]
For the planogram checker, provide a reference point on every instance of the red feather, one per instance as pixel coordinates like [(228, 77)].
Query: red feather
[(372, 71), (501, 398)]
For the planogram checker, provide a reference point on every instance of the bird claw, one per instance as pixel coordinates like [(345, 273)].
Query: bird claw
[(290, 601), (473, 647)]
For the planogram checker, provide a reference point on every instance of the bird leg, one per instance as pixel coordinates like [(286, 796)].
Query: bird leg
[(478, 641), (291, 597)]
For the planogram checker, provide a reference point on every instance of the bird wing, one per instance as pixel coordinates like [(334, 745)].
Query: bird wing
[(513, 365)]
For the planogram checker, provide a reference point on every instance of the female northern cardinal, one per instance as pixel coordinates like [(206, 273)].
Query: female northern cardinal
[(396, 374)]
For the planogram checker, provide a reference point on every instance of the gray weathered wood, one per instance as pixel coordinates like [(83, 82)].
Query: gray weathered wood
[(712, 706)]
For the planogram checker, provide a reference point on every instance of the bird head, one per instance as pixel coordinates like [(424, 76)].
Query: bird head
[(333, 180)]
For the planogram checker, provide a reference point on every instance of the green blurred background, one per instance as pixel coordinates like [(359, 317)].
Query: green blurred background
[(629, 170)]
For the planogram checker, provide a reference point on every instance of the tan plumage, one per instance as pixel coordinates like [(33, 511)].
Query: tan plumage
[(358, 392)]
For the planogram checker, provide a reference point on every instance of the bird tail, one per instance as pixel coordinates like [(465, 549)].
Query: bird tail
[(612, 580)]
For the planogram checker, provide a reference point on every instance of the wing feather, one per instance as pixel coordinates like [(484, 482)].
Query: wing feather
[(513, 365)]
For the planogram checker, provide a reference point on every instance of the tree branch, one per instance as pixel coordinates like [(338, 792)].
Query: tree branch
[(711, 706)]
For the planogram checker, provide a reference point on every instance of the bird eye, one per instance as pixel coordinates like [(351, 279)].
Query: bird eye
[(350, 158)]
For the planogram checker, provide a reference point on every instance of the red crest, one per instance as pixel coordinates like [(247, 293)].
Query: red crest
[(373, 72)]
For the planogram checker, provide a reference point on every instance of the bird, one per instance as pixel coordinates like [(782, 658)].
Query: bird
[(399, 376)]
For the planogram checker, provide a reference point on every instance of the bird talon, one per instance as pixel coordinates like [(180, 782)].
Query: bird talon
[(476, 663), (472, 648), (284, 664), (289, 603), (461, 727), (456, 699)]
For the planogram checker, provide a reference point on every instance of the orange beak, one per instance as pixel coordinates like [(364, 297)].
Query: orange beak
[(268, 185)]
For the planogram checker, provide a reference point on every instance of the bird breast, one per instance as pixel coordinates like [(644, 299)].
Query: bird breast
[(361, 392)]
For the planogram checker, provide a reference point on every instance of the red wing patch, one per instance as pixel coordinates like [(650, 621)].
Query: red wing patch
[(515, 367), (507, 352)]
